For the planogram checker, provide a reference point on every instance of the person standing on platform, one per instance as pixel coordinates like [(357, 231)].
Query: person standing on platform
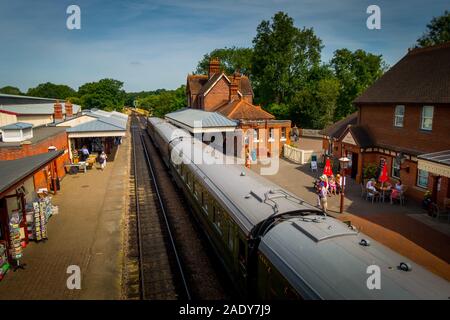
[(102, 160), (84, 153), (247, 159)]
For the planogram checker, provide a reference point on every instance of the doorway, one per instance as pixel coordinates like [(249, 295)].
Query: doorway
[(354, 168)]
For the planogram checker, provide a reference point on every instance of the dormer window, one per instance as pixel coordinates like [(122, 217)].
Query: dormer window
[(399, 115), (427, 118)]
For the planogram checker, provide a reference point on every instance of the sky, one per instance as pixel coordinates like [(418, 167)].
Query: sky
[(155, 43)]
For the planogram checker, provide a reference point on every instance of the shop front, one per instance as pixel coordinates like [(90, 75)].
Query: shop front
[(25, 205), (437, 166)]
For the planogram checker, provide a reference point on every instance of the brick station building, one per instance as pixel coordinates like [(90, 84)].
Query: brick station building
[(404, 120), (232, 96)]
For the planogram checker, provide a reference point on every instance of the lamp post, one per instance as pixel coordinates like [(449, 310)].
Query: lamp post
[(344, 163)]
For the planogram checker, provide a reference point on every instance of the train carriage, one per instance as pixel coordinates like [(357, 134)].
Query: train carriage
[(276, 245)]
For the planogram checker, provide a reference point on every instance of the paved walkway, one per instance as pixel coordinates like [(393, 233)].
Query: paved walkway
[(406, 229), (87, 232)]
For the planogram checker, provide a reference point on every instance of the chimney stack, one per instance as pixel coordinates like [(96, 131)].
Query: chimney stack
[(58, 115), (234, 86), (69, 109), (214, 66)]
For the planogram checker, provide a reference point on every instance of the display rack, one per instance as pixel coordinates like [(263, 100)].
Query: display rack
[(4, 265)]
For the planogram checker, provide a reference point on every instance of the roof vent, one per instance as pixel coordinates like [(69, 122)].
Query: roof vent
[(404, 266), (364, 243)]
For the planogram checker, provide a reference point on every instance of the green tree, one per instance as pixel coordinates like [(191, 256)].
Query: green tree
[(356, 71), (51, 90), (106, 94), (231, 59), (282, 58), (314, 105), (438, 31), (11, 90), (164, 101)]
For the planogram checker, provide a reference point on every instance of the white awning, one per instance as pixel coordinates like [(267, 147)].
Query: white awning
[(437, 163)]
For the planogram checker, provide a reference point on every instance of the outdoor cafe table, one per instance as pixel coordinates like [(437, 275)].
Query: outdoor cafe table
[(80, 165), (383, 190)]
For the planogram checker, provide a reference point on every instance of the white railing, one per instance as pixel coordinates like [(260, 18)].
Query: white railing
[(297, 155)]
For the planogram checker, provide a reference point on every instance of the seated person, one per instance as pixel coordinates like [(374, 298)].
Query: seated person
[(370, 186), (338, 183), (397, 191), (332, 185)]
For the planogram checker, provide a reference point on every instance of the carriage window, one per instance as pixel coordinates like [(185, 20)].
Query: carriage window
[(195, 189), (205, 202), (217, 219), (230, 236), (242, 255)]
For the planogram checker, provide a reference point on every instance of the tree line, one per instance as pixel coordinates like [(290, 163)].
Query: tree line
[(285, 66), (291, 81)]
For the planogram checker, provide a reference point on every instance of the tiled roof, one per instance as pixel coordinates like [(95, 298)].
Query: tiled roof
[(197, 82), (336, 129), (210, 83), (36, 108), (360, 134), (241, 109), (96, 126), (13, 171), (188, 116), (16, 126), (422, 76), (113, 118)]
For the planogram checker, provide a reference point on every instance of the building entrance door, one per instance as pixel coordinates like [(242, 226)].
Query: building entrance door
[(354, 168)]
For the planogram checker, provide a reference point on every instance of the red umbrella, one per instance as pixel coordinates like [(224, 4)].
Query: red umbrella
[(327, 170), (384, 175)]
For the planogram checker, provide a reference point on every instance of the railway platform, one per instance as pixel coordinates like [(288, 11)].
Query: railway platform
[(407, 229), (87, 233)]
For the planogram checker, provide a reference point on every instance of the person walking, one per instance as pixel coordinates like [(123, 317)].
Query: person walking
[(323, 192), (102, 160), (248, 159)]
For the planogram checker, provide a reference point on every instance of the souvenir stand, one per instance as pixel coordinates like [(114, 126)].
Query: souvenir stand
[(27, 221), (4, 265)]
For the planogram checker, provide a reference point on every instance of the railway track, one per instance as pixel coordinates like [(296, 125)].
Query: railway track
[(172, 260)]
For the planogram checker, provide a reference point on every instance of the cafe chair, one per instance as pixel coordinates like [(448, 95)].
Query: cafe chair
[(363, 191), (374, 195)]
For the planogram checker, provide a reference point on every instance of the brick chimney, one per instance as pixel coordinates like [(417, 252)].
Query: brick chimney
[(69, 109), (214, 66), (234, 86), (58, 115)]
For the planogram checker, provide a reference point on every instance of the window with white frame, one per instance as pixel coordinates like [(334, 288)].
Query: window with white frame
[(422, 178), (247, 137), (271, 134), (283, 133), (255, 135), (427, 118), (396, 167), (399, 115)]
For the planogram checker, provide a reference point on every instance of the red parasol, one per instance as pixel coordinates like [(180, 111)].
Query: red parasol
[(384, 175), (327, 170)]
